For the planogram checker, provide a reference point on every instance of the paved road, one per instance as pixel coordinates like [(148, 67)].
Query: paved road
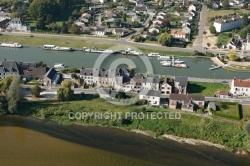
[(198, 40)]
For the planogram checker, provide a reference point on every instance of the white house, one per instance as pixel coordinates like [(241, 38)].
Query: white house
[(5, 16), (151, 82), (192, 7), (8, 68), (160, 17), (240, 87), (17, 24), (100, 31), (156, 29), (179, 35), (167, 86), (118, 31), (152, 96), (222, 25)]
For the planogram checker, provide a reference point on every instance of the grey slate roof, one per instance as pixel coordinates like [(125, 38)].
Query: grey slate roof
[(183, 81), (8, 66), (151, 79), (146, 92), (102, 72), (51, 74)]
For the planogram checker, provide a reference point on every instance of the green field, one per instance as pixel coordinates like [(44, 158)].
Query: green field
[(207, 89), (227, 110), (215, 130), (223, 38), (213, 13), (40, 41), (246, 110)]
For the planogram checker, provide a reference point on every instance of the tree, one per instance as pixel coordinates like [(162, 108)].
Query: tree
[(225, 4), (64, 28), (40, 23), (49, 18), (14, 95), (118, 22), (245, 21), (232, 55), (5, 83), (124, 16), (75, 13), (212, 29), (65, 93), (83, 10), (36, 90), (75, 29), (121, 95), (165, 39), (41, 64), (243, 32)]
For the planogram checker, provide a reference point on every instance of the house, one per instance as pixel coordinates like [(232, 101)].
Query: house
[(135, 84), (106, 93), (162, 14), (222, 25), (103, 1), (186, 29), (135, 19), (186, 102), (86, 15), (151, 82), (159, 17), (192, 7), (17, 24), (211, 106), (247, 47), (167, 86), (151, 9), (189, 16), (29, 70), (82, 26), (191, 12), (100, 31), (87, 75), (140, 9), (5, 16), (139, 3), (152, 96), (222, 94), (181, 84), (118, 31), (131, 13), (154, 29), (240, 87), (179, 35), (8, 67), (52, 78), (120, 8), (234, 44)]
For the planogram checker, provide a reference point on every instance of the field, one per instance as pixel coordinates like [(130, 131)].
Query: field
[(227, 110), (207, 89), (246, 110), (213, 13), (215, 130)]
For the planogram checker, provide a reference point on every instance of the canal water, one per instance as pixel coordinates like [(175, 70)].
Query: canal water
[(27, 141), (198, 67)]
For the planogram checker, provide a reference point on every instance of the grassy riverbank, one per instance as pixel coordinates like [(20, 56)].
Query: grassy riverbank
[(215, 130)]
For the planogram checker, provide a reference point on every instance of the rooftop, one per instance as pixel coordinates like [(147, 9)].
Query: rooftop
[(242, 83)]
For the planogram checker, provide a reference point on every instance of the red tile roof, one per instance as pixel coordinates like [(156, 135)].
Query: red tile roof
[(242, 83), (173, 32)]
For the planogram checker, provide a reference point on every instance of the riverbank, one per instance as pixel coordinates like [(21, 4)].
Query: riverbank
[(216, 130), (81, 145)]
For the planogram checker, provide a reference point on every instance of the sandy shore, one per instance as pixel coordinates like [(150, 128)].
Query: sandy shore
[(183, 140)]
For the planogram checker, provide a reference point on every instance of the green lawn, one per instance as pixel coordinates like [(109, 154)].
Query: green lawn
[(207, 89), (227, 110), (223, 38), (246, 110)]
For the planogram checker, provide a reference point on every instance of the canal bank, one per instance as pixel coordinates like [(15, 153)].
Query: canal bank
[(48, 143), (198, 67)]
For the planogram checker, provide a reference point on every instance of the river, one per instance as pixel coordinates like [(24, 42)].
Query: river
[(198, 67), (28, 141)]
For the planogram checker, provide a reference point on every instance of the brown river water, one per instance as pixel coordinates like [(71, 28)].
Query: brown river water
[(28, 141)]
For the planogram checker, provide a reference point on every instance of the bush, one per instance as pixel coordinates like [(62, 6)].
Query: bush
[(141, 102)]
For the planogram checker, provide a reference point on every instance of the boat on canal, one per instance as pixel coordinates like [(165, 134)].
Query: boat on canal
[(131, 52), (57, 48), (12, 45), (95, 50)]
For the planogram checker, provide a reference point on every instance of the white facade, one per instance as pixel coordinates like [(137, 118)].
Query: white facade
[(166, 89), (152, 96), (103, 1), (240, 87), (226, 25), (192, 7), (17, 25), (151, 30)]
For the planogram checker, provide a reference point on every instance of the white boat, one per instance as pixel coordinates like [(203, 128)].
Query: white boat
[(161, 62), (178, 61), (95, 50), (13, 45), (59, 66), (181, 65), (131, 52), (164, 58), (166, 63), (152, 54), (214, 67), (57, 48)]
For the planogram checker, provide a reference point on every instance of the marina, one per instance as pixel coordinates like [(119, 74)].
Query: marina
[(11, 45), (198, 67), (131, 52)]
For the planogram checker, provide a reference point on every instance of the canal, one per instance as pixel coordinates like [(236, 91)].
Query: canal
[(198, 67)]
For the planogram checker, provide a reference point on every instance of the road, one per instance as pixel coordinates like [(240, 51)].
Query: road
[(198, 40)]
